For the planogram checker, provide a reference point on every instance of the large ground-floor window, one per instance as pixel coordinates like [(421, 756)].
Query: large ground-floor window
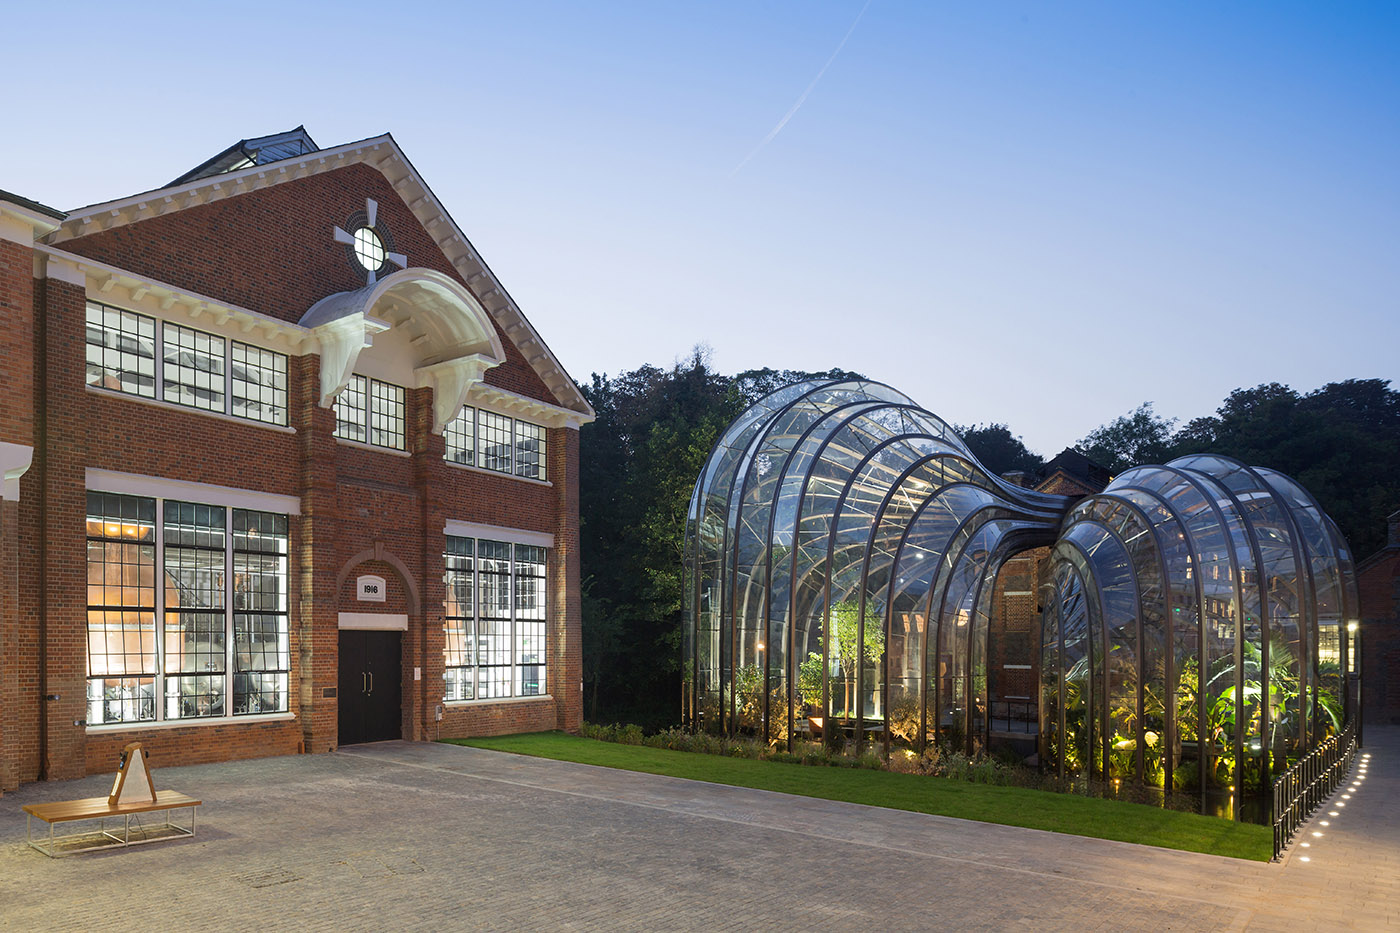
[(207, 637), (496, 613)]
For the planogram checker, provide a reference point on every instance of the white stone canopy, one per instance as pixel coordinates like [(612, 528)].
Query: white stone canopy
[(453, 339)]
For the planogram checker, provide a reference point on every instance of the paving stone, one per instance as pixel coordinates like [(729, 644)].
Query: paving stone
[(411, 836)]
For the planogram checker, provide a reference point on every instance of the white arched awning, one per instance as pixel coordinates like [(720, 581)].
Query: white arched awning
[(453, 339)]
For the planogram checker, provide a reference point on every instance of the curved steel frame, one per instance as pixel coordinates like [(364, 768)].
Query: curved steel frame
[(824, 499)]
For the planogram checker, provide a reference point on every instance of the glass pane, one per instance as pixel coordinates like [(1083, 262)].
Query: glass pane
[(194, 368), (259, 384)]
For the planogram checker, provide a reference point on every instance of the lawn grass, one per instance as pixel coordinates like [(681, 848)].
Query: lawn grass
[(1012, 806)]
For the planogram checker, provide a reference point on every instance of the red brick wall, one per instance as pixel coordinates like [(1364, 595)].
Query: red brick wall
[(314, 619), (56, 514), (16, 427), (9, 626), (1014, 633), (272, 251), (196, 745), (16, 343), (566, 609), (1379, 585)]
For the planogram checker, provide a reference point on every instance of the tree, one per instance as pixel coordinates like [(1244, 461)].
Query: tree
[(1139, 437), (1341, 442), (754, 384), (999, 450), (639, 462)]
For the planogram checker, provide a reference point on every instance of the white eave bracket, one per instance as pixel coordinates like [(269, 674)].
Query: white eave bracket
[(451, 380), (14, 463), (341, 341)]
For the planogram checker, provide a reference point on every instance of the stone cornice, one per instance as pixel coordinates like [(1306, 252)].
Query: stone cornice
[(521, 406), (383, 154), (24, 224), (106, 283)]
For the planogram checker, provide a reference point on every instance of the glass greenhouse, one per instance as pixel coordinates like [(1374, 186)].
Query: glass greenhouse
[(844, 552)]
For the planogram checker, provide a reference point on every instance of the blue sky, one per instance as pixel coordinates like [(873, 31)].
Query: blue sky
[(1038, 214)]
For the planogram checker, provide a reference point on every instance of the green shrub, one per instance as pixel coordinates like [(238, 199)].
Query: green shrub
[(938, 760)]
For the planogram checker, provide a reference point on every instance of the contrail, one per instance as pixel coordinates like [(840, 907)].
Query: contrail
[(788, 116)]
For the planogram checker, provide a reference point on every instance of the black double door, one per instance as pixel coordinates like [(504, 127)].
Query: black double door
[(370, 684)]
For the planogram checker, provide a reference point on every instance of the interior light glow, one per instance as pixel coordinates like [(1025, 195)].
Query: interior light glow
[(1306, 859), (369, 249)]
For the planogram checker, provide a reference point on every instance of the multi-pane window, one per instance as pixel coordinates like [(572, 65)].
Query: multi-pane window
[(220, 604), (121, 350), (529, 450), (199, 370), (194, 368), (459, 651), (460, 437), (493, 640), (386, 414), (259, 384), (496, 615), (196, 647), (529, 620), (352, 410), (121, 607), (261, 647), (370, 411), (496, 442)]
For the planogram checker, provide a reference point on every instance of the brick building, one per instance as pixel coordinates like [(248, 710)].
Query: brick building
[(284, 466), (1378, 580)]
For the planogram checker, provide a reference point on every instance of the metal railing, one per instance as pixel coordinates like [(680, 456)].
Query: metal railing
[(1310, 780)]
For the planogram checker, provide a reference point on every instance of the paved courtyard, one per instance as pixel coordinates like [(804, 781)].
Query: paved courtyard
[(404, 836)]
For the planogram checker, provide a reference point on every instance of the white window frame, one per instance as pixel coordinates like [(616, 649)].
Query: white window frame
[(370, 410), (473, 631), (159, 611), (512, 463), (227, 411)]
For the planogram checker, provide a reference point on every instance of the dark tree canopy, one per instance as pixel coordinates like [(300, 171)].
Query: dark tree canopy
[(637, 466), (1140, 437), (1342, 442), (999, 450), (754, 384)]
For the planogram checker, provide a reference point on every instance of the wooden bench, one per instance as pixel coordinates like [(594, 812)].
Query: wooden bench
[(132, 795), (97, 808)]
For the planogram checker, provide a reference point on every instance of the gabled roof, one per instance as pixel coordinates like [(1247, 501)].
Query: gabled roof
[(35, 206), (383, 154), (248, 152), (1080, 468)]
